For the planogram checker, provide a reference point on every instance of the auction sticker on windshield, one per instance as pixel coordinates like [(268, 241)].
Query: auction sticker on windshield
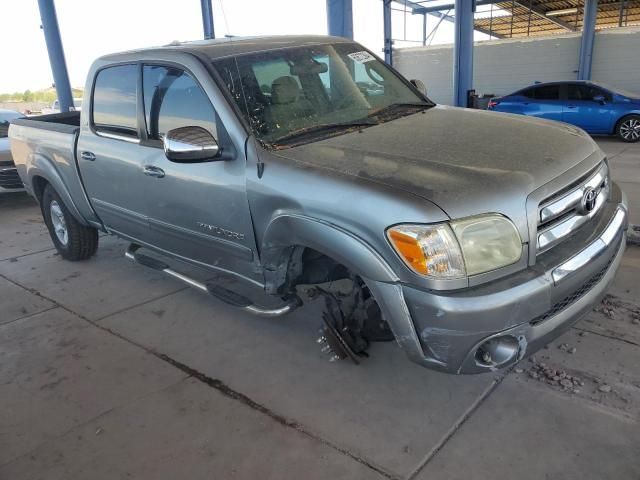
[(361, 57)]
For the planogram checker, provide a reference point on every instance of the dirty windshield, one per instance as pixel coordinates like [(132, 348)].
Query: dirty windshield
[(302, 94)]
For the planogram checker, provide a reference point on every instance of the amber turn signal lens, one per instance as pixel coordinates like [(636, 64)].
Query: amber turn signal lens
[(410, 250)]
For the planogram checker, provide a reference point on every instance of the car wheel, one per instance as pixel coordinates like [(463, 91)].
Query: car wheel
[(629, 128), (73, 240)]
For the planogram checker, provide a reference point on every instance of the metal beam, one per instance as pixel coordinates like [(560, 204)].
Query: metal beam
[(388, 42), (463, 51), (451, 19), (538, 12), (207, 19), (450, 6), (424, 30), (588, 37), (56, 53), (340, 18)]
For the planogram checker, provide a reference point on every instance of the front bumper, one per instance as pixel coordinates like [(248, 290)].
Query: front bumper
[(445, 330)]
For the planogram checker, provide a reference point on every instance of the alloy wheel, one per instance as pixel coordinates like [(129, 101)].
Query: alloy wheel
[(630, 129), (58, 222)]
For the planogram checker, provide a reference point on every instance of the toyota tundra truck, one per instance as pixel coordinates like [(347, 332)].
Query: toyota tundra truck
[(308, 168)]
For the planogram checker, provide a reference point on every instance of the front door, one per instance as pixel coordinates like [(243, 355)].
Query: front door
[(195, 210), (583, 111), (109, 153)]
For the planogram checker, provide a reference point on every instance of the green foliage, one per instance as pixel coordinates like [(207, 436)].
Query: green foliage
[(47, 95)]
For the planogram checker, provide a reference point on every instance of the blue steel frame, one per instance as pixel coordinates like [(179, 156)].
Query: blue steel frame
[(588, 38), (340, 18), (56, 53), (388, 40), (463, 51), (207, 19)]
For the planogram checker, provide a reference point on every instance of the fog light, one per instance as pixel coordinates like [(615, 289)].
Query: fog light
[(497, 352)]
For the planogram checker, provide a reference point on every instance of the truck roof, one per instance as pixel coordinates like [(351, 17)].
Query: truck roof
[(232, 46)]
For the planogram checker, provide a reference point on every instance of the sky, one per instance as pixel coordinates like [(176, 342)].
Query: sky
[(90, 28)]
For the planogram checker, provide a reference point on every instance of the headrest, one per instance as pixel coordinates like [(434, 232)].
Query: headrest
[(284, 90)]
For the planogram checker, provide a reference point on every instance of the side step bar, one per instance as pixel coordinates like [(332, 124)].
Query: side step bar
[(221, 293)]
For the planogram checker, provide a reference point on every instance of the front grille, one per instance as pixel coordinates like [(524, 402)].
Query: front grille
[(565, 212), (573, 296), (9, 178)]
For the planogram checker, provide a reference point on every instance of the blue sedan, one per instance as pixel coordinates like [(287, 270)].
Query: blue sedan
[(594, 107)]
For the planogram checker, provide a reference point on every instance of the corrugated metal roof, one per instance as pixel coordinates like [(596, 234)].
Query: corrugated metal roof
[(528, 18)]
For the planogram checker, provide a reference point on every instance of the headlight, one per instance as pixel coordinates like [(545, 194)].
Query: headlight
[(463, 247)]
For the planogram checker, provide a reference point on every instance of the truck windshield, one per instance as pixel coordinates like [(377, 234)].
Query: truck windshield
[(297, 95)]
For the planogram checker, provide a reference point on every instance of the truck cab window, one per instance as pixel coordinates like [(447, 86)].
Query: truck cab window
[(114, 101), (173, 99)]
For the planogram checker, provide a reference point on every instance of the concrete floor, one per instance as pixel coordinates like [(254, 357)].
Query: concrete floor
[(110, 370)]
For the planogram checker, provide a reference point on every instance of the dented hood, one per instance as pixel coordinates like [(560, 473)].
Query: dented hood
[(468, 162)]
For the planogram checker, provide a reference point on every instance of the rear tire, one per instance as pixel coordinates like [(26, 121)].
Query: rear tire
[(73, 240), (628, 129)]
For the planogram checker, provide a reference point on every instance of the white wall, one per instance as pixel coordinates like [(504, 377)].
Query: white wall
[(503, 66)]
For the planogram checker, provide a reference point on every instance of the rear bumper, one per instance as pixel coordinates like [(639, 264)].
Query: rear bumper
[(445, 330)]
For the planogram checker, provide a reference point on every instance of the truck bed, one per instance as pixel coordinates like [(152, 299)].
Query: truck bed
[(44, 149), (67, 122)]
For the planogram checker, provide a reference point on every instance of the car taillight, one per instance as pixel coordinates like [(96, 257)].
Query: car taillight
[(493, 103)]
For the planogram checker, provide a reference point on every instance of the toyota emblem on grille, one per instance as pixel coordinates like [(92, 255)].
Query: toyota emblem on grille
[(589, 200)]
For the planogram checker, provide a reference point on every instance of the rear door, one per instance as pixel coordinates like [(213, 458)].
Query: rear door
[(544, 102), (195, 210), (109, 153), (583, 111)]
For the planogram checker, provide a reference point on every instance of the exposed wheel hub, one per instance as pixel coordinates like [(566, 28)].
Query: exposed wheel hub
[(351, 322)]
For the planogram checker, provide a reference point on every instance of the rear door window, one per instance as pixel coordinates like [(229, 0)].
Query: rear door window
[(114, 101), (547, 92), (173, 99)]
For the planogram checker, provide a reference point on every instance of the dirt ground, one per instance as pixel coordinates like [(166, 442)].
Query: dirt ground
[(110, 370)]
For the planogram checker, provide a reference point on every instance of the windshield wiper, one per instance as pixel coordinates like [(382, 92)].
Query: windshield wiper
[(325, 127), (399, 106)]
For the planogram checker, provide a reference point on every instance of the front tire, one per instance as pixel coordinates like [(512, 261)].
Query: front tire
[(628, 129), (72, 240)]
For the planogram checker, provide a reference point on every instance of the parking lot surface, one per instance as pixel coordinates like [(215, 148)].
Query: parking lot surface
[(110, 370)]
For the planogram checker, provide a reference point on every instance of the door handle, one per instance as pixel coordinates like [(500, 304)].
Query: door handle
[(572, 106), (153, 171), (87, 156)]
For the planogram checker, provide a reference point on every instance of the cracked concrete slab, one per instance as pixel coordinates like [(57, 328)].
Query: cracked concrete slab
[(22, 230), (598, 362), (58, 371), (97, 287), (527, 431), (387, 410), (18, 303), (185, 431)]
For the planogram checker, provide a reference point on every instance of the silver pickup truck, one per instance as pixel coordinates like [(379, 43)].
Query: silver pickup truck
[(306, 164)]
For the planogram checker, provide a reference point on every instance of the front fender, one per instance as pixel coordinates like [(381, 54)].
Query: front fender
[(290, 230)]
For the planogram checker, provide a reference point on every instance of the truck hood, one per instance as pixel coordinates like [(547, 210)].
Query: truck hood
[(468, 162)]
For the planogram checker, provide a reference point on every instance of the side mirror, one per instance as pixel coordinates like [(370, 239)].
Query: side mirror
[(419, 84), (600, 99), (190, 144)]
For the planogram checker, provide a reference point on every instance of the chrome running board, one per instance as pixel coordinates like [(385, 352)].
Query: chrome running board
[(232, 298)]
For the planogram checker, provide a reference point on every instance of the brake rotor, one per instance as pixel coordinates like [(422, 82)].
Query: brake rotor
[(338, 342)]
